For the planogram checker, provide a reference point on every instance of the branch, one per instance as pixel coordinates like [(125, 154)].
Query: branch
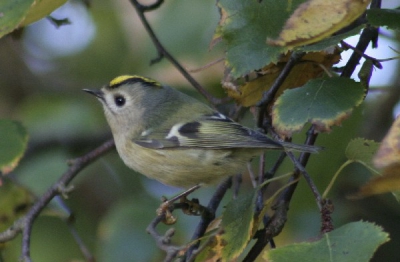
[(303, 159), (300, 169), (269, 95), (56, 189), (13, 231), (369, 34), (163, 242), (274, 225), (206, 220), (162, 52), (146, 8), (25, 223), (325, 205), (82, 247), (262, 177)]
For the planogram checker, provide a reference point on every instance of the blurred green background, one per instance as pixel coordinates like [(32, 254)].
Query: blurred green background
[(42, 72)]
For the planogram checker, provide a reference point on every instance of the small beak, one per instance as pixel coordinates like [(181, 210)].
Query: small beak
[(97, 93)]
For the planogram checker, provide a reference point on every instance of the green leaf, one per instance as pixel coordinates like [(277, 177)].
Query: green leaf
[(355, 241), (384, 17), (246, 28), (12, 13), (362, 150), (13, 142), (237, 221), (323, 102), (365, 73), (388, 180), (19, 13), (358, 150)]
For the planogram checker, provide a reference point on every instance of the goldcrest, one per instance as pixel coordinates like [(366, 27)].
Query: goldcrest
[(176, 139)]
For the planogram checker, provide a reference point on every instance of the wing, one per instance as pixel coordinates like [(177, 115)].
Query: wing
[(214, 131)]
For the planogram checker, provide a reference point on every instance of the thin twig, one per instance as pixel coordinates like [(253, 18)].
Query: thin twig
[(13, 231), (162, 52), (269, 95), (375, 61), (163, 242), (268, 175), (57, 189), (212, 63), (82, 247), (146, 8), (273, 227), (369, 34), (300, 168), (303, 159), (275, 224), (205, 221), (261, 169), (253, 178), (208, 214)]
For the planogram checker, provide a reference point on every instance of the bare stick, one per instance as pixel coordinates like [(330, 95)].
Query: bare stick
[(25, 223), (163, 242), (162, 52), (269, 95)]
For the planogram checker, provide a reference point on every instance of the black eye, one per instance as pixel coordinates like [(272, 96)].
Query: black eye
[(119, 100)]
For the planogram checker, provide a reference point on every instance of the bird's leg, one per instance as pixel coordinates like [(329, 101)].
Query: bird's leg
[(188, 207), (191, 207)]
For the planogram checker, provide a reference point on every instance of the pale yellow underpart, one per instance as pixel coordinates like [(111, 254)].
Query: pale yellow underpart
[(197, 167)]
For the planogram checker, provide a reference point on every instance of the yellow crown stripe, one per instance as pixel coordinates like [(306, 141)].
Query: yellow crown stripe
[(132, 78)]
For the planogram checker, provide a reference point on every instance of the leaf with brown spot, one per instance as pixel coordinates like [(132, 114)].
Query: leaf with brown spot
[(362, 151)]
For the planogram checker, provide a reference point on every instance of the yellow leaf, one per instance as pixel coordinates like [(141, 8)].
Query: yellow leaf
[(310, 67), (315, 20), (212, 252), (389, 151), (388, 182), (388, 159), (40, 9)]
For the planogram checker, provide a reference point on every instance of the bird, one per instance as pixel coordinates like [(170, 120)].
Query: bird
[(176, 139)]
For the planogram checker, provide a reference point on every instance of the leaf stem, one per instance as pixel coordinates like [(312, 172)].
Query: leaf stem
[(328, 188)]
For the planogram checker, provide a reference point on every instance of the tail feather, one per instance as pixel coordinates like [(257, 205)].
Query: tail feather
[(302, 148)]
